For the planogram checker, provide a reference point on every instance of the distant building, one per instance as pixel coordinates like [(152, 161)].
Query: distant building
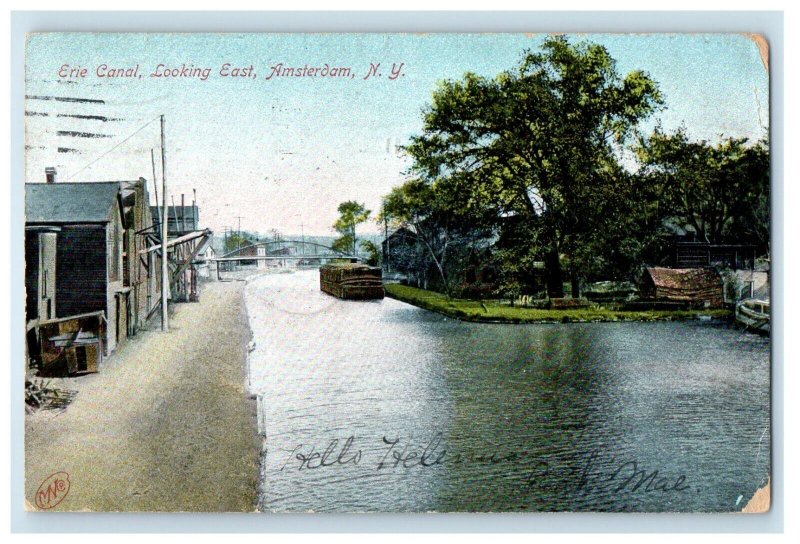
[(396, 249), (180, 219), (702, 254), (204, 269)]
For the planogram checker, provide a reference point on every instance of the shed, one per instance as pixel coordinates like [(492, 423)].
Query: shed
[(694, 286), (71, 345)]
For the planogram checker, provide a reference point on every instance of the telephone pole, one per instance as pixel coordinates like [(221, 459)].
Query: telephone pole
[(155, 184), (239, 231), (164, 268)]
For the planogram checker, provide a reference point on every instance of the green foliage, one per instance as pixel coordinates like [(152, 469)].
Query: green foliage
[(344, 244), (351, 214), (527, 167), (236, 241), (446, 233), (721, 191), (372, 251)]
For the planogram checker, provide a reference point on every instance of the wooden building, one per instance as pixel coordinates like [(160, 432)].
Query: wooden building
[(695, 287), (186, 241), (142, 269), (81, 256), (88, 225), (701, 254)]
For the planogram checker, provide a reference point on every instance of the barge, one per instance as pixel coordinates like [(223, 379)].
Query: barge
[(351, 281)]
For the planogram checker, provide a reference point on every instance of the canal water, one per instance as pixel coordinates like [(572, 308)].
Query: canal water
[(382, 406)]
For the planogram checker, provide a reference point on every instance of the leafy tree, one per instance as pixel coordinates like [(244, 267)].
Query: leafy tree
[(441, 221), (538, 142), (351, 214), (720, 191), (236, 241), (372, 251), (413, 206)]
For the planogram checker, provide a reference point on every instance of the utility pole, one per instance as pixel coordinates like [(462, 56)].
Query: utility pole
[(226, 229), (164, 268), (239, 231), (155, 184)]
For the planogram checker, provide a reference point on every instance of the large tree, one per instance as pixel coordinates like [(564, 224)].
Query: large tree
[(538, 142)]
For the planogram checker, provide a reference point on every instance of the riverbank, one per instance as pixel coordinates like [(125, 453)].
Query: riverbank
[(166, 425), (492, 311)]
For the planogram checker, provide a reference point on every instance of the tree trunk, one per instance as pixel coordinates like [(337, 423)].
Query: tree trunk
[(576, 284), (552, 265)]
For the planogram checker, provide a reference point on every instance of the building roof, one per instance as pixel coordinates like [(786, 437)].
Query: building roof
[(70, 202), (685, 283), (401, 233)]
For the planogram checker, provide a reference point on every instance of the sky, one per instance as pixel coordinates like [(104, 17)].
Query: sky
[(281, 153)]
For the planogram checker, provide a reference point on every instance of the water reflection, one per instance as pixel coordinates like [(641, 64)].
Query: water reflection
[(446, 415)]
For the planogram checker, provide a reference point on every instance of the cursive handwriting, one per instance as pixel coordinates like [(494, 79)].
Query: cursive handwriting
[(624, 476), (596, 475)]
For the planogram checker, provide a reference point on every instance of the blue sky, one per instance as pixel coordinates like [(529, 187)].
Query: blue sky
[(284, 152)]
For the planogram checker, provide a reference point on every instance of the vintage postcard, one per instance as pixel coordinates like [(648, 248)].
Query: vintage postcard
[(397, 273)]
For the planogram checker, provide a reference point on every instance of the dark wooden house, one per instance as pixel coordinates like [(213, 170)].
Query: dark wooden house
[(74, 243)]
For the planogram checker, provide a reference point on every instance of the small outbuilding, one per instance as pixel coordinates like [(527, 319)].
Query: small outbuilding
[(697, 287)]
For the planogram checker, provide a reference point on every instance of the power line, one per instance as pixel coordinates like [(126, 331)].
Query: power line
[(113, 148)]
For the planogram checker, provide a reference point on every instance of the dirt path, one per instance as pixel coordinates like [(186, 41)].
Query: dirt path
[(165, 425)]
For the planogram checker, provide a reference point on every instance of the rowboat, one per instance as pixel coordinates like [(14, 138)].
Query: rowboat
[(352, 281), (754, 314)]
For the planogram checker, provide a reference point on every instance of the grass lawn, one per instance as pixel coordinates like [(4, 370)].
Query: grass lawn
[(495, 311)]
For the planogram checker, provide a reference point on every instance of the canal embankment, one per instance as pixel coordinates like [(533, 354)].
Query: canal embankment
[(166, 425), (494, 311)]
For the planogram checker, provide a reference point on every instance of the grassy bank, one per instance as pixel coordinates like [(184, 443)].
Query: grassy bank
[(495, 311)]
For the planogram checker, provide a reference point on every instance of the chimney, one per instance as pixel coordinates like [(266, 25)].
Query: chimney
[(50, 174)]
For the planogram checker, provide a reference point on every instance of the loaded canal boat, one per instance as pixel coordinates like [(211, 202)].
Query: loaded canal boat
[(351, 281)]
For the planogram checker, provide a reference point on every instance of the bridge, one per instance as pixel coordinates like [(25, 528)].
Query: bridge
[(305, 252)]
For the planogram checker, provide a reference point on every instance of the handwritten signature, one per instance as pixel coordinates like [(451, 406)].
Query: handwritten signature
[(594, 475)]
